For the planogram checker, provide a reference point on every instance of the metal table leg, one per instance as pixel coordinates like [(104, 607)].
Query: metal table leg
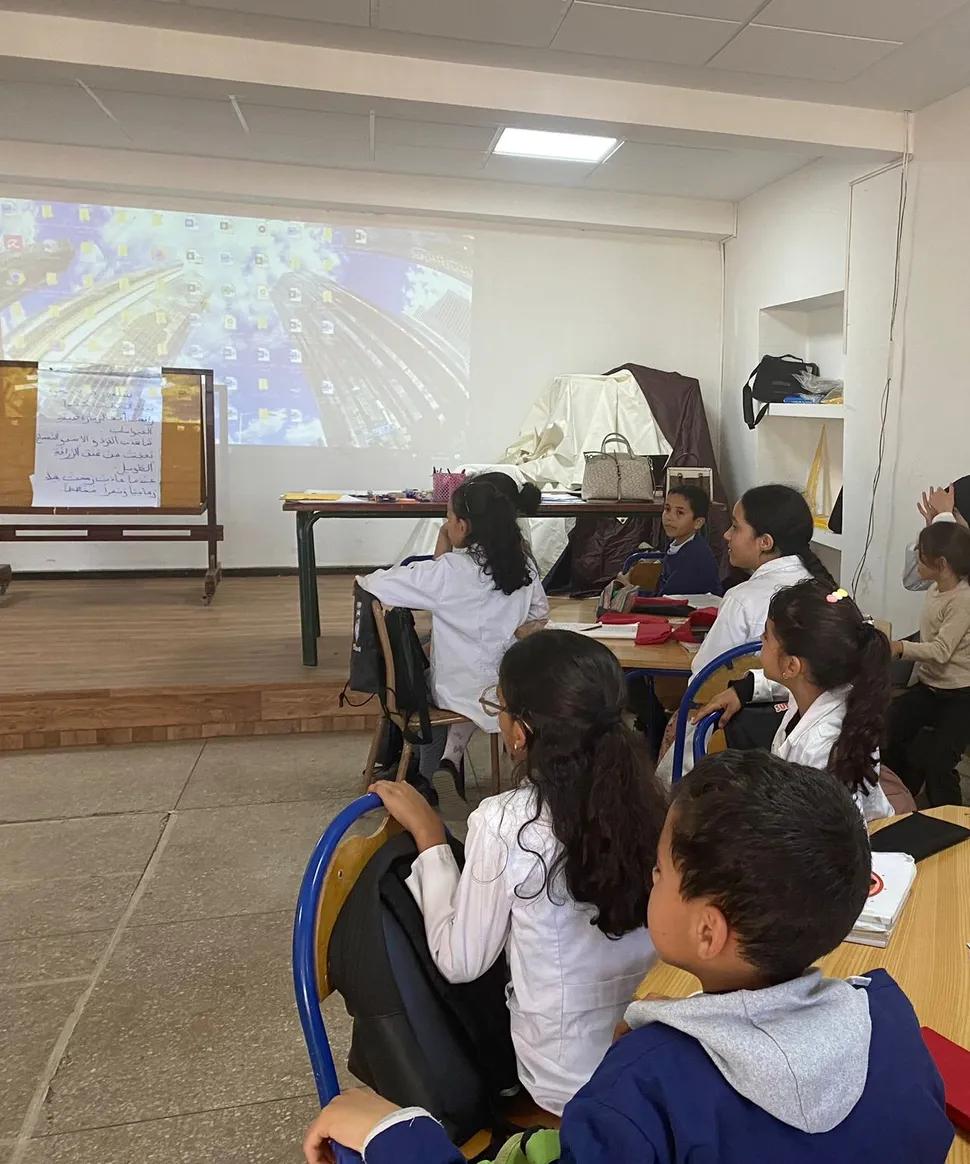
[(313, 589), (304, 529)]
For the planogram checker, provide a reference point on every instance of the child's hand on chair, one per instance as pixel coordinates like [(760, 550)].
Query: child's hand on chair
[(728, 703), (412, 812), (349, 1120)]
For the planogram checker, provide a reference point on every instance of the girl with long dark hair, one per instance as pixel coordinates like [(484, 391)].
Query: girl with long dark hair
[(480, 587), (835, 664), (769, 536), (557, 872)]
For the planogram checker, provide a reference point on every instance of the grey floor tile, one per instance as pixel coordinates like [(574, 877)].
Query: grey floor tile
[(261, 1133), (88, 781), (43, 959), (74, 848), (223, 861), (32, 909), (257, 769), (32, 1018), (185, 1018)]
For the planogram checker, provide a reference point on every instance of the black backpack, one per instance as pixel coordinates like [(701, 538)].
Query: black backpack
[(771, 382), (367, 671), (418, 1040)]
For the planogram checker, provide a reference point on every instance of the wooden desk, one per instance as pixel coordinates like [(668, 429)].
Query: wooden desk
[(308, 513), (927, 954), (671, 658)]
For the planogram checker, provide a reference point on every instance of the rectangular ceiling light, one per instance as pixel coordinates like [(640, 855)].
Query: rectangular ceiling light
[(555, 147)]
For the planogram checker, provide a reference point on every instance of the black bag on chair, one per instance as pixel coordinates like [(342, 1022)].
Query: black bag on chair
[(771, 382), (418, 1040), (366, 663)]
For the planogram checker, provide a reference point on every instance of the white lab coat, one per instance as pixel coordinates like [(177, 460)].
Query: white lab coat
[(570, 984), (741, 619), (812, 739), (472, 624)]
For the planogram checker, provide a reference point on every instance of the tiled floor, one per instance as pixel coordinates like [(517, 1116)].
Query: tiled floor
[(146, 900)]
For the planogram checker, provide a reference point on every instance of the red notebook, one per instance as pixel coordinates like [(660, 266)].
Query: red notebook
[(953, 1063)]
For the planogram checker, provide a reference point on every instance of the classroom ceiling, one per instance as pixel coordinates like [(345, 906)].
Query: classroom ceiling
[(888, 54)]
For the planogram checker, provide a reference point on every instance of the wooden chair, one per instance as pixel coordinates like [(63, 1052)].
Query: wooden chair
[(335, 864), (708, 682), (440, 717)]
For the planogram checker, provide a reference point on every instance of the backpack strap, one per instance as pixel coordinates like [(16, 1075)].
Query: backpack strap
[(747, 402)]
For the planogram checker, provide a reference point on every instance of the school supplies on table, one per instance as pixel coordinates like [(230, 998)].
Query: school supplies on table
[(893, 875), (919, 835), (625, 630), (953, 1063)]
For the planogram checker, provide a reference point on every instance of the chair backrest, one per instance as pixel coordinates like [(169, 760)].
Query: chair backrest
[(331, 873), (390, 683), (708, 682)]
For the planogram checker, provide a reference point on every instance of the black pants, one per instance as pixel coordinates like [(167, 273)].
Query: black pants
[(929, 757)]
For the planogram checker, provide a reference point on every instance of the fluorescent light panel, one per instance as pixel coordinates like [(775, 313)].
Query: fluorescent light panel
[(555, 147)]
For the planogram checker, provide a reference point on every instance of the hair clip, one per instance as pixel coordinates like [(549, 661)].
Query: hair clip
[(837, 595)]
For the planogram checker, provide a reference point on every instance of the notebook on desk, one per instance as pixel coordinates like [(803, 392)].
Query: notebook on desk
[(919, 835)]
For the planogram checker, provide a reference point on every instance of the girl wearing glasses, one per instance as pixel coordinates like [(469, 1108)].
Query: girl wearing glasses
[(557, 871), (480, 587)]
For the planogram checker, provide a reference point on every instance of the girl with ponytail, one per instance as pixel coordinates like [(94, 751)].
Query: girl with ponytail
[(558, 871), (769, 536), (819, 647)]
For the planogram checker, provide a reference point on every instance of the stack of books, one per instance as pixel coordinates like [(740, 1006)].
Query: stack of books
[(893, 875)]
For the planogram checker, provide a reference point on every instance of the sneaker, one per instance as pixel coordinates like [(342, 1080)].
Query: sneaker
[(447, 768)]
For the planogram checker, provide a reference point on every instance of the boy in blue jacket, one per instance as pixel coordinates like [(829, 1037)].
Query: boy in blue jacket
[(689, 566), (763, 867)]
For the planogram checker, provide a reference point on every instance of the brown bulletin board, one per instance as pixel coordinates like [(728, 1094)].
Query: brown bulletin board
[(183, 476)]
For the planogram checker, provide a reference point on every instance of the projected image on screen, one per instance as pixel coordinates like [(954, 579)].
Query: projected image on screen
[(338, 336)]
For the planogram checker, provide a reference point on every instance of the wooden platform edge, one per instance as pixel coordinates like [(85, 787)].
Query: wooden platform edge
[(160, 715)]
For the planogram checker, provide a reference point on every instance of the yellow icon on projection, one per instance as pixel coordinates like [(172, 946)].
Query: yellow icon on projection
[(229, 322), (87, 281), (51, 278), (84, 213), (161, 317), (17, 313), (261, 323), (327, 295), (124, 283), (158, 219), (296, 263), (87, 247), (264, 414), (122, 250), (47, 211), (121, 216), (328, 234), (263, 384)]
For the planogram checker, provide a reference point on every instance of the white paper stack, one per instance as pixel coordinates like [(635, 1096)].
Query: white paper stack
[(894, 874)]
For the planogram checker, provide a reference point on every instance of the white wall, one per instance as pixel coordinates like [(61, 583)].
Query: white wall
[(932, 351), (790, 245), (544, 303)]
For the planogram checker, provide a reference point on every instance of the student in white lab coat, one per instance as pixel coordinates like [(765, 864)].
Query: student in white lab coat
[(480, 587), (770, 534), (557, 871), (835, 664)]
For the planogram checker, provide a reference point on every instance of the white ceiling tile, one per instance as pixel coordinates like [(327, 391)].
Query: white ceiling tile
[(815, 56), (441, 163), (881, 19), (139, 111), (536, 172), (519, 22), (714, 9), (644, 36), (333, 11), (306, 124), (434, 134), (730, 174)]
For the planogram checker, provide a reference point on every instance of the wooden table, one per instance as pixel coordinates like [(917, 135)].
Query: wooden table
[(670, 658), (927, 955), (308, 513)]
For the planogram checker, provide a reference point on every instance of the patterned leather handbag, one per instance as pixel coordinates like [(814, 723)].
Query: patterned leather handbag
[(617, 475)]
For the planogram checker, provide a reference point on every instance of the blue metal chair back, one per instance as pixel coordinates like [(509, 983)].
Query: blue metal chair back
[(305, 978), (702, 731), (698, 681)]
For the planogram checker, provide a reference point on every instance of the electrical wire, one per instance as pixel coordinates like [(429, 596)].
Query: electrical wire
[(887, 388)]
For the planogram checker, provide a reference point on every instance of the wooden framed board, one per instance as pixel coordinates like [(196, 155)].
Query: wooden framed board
[(79, 442)]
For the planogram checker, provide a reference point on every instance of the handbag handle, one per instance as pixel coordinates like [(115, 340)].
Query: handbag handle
[(615, 438)]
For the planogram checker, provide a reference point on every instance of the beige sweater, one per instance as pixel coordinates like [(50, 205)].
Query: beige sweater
[(943, 654)]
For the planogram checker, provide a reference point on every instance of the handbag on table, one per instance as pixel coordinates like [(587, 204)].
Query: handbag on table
[(617, 475)]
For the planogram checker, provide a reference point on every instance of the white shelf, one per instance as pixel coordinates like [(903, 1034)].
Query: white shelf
[(825, 537), (809, 411)]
